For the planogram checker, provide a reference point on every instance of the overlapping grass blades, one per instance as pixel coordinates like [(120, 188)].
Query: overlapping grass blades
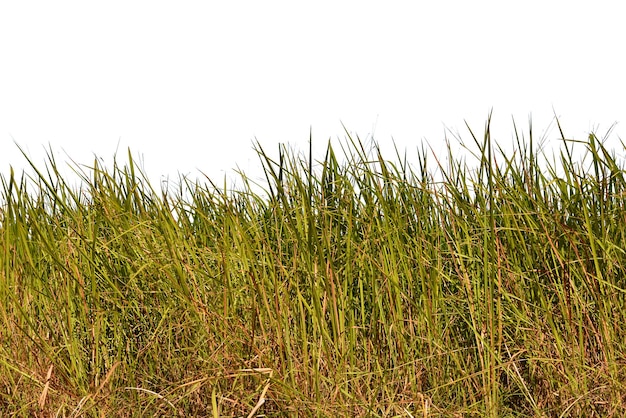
[(353, 286)]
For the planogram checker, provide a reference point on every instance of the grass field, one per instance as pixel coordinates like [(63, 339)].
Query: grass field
[(354, 286)]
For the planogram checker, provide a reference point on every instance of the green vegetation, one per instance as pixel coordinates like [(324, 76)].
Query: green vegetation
[(354, 286)]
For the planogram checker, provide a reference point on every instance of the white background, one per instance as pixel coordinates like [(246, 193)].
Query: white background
[(190, 85)]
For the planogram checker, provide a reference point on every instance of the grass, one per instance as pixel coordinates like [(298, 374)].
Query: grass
[(353, 286)]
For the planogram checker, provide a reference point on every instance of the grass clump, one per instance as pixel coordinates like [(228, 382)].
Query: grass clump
[(356, 286)]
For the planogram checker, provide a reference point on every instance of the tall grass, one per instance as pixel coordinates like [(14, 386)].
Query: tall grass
[(353, 286)]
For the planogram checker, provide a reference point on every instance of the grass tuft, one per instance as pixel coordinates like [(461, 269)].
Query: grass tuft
[(352, 286)]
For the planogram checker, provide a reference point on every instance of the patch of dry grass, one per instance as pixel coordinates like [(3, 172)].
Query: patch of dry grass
[(354, 288)]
